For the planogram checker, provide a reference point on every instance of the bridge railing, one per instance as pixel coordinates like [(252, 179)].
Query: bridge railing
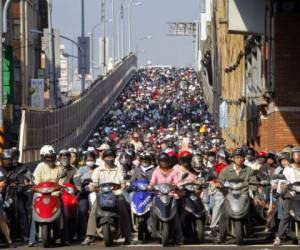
[(71, 125)]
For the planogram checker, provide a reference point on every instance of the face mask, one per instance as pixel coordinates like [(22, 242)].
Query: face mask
[(90, 163), (110, 163), (64, 163)]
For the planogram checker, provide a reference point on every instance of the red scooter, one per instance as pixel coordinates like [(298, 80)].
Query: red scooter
[(47, 208), (69, 204)]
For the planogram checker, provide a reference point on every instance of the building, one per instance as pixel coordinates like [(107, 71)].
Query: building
[(23, 60), (64, 79), (248, 71)]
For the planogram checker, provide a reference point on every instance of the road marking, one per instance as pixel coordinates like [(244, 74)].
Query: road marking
[(222, 246)]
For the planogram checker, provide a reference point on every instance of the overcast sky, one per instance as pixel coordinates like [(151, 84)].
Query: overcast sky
[(150, 18)]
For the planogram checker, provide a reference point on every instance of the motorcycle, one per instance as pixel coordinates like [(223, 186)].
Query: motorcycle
[(193, 214), (237, 205), (108, 218), (295, 211), (140, 204), (46, 210)]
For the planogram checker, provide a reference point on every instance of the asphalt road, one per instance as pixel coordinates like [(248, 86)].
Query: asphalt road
[(149, 246)]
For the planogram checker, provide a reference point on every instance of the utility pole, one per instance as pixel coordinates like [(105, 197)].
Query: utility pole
[(122, 29), (104, 35), (1, 83), (113, 31), (52, 58), (83, 52)]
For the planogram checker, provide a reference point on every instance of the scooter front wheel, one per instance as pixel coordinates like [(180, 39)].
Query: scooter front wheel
[(165, 234), (199, 230), (45, 234), (107, 235), (238, 228)]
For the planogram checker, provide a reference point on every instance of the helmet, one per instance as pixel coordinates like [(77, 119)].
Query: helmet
[(47, 150), (7, 154), (90, 154), (271, 155), (238, 152), (185, 154), (73, 150), (282, 156), (163, 157), (250, 152), (262, 154), (103, 147), (295, 150), (222, 154), (145, 156), (64, 152), (109, 152)]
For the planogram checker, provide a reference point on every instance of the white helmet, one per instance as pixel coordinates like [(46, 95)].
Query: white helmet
[(73, 150), (47, 150)]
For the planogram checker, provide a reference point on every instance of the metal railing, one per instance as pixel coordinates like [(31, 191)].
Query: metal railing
[(71, 125)]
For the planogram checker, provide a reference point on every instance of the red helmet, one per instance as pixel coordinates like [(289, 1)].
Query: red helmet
[(262, 154), (172, 153), (184, 153)]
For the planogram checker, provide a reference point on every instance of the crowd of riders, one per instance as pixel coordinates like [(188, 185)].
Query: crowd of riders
[(159, 131)]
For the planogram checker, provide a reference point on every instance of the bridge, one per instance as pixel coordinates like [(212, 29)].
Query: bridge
[(72, 124)]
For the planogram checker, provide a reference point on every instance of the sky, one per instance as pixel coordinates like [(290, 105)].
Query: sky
[(150, 18)]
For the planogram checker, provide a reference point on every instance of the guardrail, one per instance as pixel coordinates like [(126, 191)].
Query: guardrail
[(71, 125)]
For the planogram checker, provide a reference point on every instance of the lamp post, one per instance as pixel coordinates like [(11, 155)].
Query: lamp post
[(129, 21), (140, 40)]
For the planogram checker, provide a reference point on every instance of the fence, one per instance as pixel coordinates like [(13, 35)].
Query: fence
[(71, 125)]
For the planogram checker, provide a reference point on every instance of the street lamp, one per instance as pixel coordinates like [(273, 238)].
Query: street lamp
[(140, 40), (131, 3)]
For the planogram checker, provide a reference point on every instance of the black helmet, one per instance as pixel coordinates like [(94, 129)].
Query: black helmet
[(238, 152), (163, 157), (223, 154), (271, 155), (90, 154), (109, 152), (250, 152), (282, 156)]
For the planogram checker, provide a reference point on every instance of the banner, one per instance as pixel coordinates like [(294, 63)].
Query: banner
[(37, 98)]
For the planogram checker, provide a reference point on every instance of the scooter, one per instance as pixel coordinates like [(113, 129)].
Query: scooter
[(237, 206), (108, 218), (69, 205), (193, 214), (140, 204), (295, 211), (163, 212), (46, 210)]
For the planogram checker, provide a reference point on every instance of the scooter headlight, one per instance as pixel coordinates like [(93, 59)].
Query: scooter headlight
[(296, 188), (292, 213), (165, 198), (70, 190), (105, 189), (236, 186), (193, 197), (46, 200), (192, 187)]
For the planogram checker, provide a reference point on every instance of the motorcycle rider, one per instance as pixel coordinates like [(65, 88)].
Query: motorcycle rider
[(109, 172), (74, 161), (45, 171), (270, 166), (292, 174), (237, 170), (283, 160), (4, 225), (100, 151), (145, 169), (69, 171), (251, 159), (82, 181), (165, 174)]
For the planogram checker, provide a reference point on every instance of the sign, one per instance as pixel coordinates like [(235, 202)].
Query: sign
[(84, 55), (182, 29), (37, 98), (223, 115), (241, 15)]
